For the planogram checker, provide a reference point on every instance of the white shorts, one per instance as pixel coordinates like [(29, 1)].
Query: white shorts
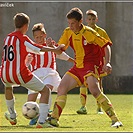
[(35, 84), (48, 76)]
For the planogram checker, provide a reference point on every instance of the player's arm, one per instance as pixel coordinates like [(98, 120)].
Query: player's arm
[(28, 59), (102, 42), (56, 50), (63, 55), (71, 60), (66, 57), (37, 49), (107, 66)]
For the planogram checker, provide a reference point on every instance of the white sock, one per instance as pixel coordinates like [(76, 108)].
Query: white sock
[(11, 109), (43, 111)]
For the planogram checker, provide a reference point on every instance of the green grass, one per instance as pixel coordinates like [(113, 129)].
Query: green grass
[(69, 120)]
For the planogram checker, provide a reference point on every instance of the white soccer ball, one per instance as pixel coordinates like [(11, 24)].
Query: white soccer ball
[(30, 110)]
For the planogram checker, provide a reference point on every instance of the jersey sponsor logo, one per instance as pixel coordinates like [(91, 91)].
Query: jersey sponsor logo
[(85, 42), (76, 39)]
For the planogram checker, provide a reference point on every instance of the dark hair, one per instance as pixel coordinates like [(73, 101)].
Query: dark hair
[(20, 19), (75, 13), (39, 27)]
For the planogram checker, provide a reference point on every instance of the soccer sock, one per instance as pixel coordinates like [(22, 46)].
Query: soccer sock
[(43, 112), (107, 106), (58, 106), (50, 101), (11, 109), (98, 104), (83, 95)]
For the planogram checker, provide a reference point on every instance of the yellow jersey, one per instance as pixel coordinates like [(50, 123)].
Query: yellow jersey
[(86, 44), (102, 32)]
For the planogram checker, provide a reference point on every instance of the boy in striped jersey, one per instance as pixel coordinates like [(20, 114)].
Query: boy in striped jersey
[(44, 65), (14, 71)]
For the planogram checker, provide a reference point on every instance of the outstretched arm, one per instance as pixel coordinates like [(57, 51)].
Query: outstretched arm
[(66, 57), (107, 66), (32, 48), (57, 50)]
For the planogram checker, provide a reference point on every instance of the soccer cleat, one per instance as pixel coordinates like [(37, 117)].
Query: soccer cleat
[(49, 114), (34, 120), (99, 111), (117, 124), (12, 121), (53, 121), (82, 110), (44, 125), (50, 111)]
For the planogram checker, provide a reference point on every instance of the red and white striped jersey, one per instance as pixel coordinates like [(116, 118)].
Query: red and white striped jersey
[(46, 60), (15, 49)]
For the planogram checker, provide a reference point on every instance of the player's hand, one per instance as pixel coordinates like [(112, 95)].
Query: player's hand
[(107, 68), (59, 49), (50, 42), (28, 59)]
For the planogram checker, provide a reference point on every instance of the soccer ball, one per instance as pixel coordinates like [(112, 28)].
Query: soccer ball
[(30, 110)]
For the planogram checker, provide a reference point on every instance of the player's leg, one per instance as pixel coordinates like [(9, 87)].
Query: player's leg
[(36, 84), (50, 98), (103, 100), (10, 101), (32, 96), (52, 80), (66, 84), (83, 98), (99, 108), (44, 107)]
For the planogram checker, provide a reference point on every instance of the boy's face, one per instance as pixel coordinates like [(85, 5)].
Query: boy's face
[(74, 24), (91, 20), (39, 37)]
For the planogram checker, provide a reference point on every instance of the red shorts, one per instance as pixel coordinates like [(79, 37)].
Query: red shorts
[(80, 74)]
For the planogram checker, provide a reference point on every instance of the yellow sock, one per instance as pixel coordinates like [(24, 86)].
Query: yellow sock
[(98, 104), (83, 95), (59, 104), (101, 88), (107, 106)]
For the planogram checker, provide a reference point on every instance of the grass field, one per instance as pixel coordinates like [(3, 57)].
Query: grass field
[(72, 122)]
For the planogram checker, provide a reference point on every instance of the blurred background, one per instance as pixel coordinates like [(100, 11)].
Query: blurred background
[(115, 17)]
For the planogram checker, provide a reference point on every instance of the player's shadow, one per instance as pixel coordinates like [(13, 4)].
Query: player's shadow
[(29, 127), (65, 127), (23, 126), (79, 114)]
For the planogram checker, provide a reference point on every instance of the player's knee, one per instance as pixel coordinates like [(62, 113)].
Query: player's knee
[(49, 86), (95, 94), (46, 89), (62, 90)]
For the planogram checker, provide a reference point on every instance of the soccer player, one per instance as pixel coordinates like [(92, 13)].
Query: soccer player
[(86, 44), (14, 71), (92, 19), (44, 65)]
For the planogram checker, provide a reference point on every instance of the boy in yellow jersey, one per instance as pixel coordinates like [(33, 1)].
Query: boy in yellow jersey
[(92, 19), (87, 44)]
